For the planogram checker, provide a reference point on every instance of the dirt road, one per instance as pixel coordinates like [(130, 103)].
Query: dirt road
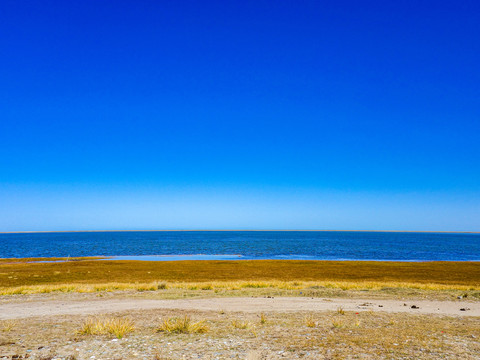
[(26, 309)]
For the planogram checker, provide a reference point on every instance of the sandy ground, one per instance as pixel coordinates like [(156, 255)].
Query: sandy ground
[(25, 309), (46, 327)]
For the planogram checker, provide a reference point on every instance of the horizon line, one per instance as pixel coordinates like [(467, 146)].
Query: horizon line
[(238, 230)]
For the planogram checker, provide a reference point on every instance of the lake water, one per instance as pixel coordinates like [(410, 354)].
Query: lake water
[(228, 245)]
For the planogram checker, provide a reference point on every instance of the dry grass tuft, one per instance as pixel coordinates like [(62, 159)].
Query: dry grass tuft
[(263, 319), (337, 324), (183, 325), (8, 325), (118, 327), (341, 311), (310, 321), (239, 324), (91, 326)]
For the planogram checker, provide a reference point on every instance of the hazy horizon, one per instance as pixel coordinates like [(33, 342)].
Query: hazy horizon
[(235, 230)]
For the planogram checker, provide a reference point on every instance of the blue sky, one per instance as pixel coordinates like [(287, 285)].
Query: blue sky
[(239, 115)]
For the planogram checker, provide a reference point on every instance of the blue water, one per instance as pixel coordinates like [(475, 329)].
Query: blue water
[(321, 245), (176, 257)]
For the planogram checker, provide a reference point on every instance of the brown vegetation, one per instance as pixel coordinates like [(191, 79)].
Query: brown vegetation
[(102, 272)]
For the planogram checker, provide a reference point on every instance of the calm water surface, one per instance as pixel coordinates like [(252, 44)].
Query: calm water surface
[(321, 245)]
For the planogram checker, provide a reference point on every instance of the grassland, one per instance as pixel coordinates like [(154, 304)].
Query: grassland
[(94, 272), (87, 275)]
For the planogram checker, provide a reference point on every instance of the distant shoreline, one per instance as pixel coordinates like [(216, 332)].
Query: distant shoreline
[(240, 230), (205, 258)]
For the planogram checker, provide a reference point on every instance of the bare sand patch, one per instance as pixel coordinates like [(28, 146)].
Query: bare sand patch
[(20, 309)]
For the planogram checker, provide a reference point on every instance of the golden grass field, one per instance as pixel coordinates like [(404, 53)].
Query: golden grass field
[(87, 275)]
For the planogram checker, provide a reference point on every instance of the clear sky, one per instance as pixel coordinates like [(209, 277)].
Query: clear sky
[(239, 115)]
